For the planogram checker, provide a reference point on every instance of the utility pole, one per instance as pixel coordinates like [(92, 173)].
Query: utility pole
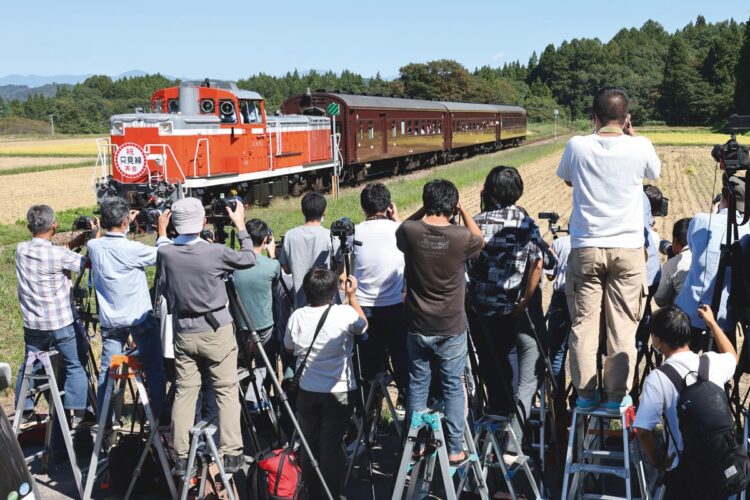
[(52, 124), (557, 113)]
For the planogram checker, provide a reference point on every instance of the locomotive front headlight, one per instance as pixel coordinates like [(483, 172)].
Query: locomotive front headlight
[(165, 128), (118, 128)]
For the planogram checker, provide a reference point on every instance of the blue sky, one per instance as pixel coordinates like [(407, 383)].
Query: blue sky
[(233, 39)]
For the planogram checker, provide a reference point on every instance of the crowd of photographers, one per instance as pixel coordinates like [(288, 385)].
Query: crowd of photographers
[(429, 292)]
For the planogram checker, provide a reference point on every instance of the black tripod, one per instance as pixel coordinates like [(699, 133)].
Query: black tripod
[(346, 255), (239, 306)]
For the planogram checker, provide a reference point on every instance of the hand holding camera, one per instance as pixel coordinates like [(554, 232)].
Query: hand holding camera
[(706, 314), (350, 286), (392, 213), (162, 222), (237, 216)]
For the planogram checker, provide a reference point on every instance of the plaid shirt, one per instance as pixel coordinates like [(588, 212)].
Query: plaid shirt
[(43, 284), (498, 275)]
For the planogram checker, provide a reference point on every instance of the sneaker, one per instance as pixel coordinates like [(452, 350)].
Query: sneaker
[(618, 407), (493, 414), (400, 411), (180, 468), (254, 408), (233, 463), (511, 459), (588, 404)]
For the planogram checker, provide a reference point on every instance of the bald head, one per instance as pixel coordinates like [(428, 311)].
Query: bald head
[(611, 105)]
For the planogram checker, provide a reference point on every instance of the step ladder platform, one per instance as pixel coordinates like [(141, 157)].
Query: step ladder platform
[(597, 496), (602, 413), (604, 454), (601, 469)]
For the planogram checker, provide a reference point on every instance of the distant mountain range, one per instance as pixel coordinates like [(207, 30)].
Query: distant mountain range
[(22, 86)]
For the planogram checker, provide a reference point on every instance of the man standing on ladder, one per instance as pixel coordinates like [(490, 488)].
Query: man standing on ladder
[(607, 262), (42, 270)]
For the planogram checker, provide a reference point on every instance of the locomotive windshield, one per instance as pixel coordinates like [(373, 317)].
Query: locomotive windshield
[(250, 111)]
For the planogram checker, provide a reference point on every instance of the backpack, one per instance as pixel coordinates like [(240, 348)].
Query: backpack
[(716, 466), (277, 477), (123, 459)]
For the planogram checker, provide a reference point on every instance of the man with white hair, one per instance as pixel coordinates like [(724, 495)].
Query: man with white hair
[(192, 280), (43, 271)]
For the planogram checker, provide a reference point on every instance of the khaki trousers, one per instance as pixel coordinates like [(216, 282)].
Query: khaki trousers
[(217, 351), (605, 286)]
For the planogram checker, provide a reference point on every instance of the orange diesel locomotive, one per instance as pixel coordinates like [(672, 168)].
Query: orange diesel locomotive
[(213, 141)]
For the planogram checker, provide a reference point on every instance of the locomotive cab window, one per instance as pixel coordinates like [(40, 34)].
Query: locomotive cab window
[(249, 111), (227, 112)]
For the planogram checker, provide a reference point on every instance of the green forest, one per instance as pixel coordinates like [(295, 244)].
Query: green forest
[(698, 75)]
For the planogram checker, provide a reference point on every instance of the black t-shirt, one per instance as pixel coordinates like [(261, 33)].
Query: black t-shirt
[(434, 272)]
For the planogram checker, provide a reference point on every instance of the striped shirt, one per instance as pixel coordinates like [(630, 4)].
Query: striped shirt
[(43, 286)]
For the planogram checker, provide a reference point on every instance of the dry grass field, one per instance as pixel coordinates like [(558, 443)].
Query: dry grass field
[(33, 162), (78, 146), (62, 189)]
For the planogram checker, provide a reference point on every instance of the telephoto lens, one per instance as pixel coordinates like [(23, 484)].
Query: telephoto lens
[(665, 247)]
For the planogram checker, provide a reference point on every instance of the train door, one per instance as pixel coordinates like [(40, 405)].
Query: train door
[(384, 135), (255, 153)]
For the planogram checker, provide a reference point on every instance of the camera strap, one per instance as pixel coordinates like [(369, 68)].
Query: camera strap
[(301, 368)]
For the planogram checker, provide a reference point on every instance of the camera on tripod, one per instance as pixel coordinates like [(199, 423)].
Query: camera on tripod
[(342, 228), (732, 155), (554, 227)]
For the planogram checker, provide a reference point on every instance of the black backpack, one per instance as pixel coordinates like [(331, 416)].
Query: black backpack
[(715, 465)]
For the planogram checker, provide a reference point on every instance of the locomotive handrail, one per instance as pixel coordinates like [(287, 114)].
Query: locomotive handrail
[(103, 153), (208, 156), (164, 167)]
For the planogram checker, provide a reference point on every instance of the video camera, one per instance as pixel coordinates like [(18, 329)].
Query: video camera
[(732, 155), (665, 247), (219, 206), (148, 216), (342, 228), (554, 227)]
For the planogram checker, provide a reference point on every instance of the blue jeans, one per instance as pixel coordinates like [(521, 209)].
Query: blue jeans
[(64, 341), (449, 353), (147, 337), (386, 337), (558, 327)]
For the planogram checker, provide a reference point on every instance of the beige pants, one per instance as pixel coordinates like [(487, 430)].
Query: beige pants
[(605, 286), (217, 351)]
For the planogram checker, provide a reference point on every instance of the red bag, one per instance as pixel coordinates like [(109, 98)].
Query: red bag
[(284, 474)]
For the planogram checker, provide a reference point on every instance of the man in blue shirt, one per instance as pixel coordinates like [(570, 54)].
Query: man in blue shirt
[(119, 269), (706, 234)]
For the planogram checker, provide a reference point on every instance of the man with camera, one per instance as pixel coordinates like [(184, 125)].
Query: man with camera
[(435, 253), (255, 289), (706, 235), (686, 477), (675, 270), (558, 316), (321, 336), (378, 266), (118, 266), (606, 265), (504, 281), (307, 246), (191, 277), (43, 272)]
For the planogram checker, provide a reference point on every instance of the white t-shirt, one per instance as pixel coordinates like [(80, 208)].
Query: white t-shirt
[(607, 175), (329, 366), (561, 247), (378, 264), (659, 392)]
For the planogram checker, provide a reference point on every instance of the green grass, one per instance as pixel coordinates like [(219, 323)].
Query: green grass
[(44, 168)]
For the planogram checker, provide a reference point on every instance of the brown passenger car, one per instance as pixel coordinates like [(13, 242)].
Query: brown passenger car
[(388, 134)]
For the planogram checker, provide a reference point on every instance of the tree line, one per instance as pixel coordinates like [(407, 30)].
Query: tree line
[(698, 75)]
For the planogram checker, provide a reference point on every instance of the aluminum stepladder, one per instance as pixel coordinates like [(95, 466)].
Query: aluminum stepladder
[(587, 444), (202, 433), (127, 367), (378, 386), (543, 419), (56, 410), (421, 471), (487, 429)]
